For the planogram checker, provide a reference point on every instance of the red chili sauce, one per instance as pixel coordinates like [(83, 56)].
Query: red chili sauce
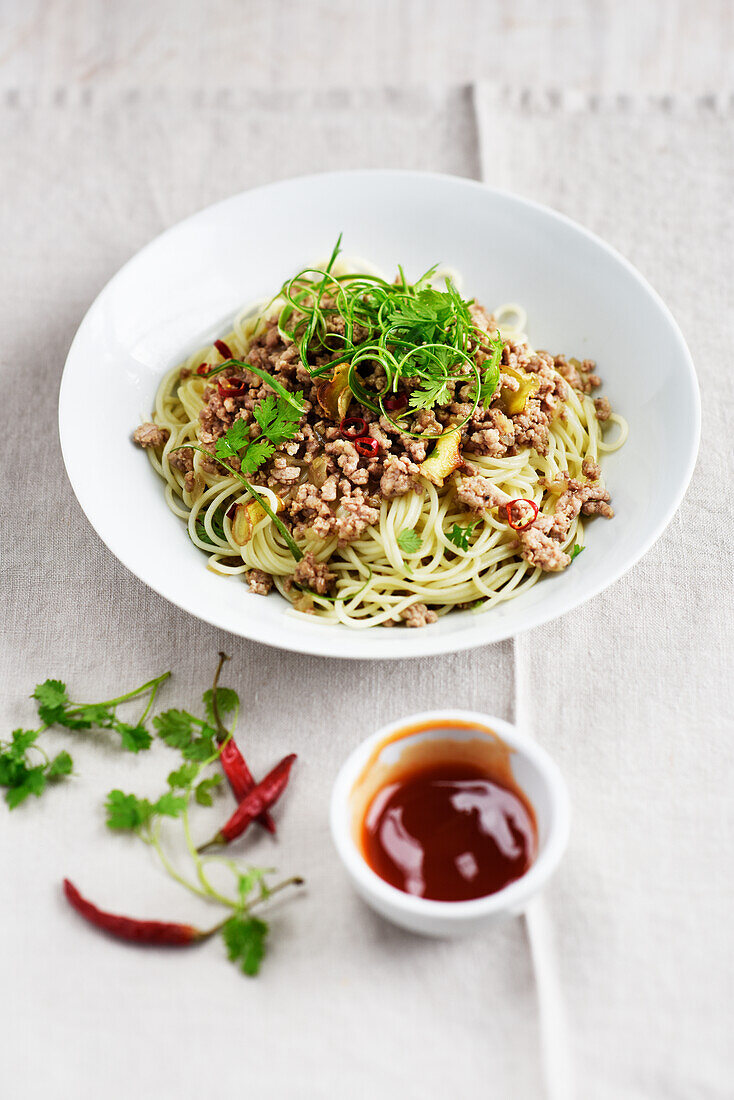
[(449, 831)]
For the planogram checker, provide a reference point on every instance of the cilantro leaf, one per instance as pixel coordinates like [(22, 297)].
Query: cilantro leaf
[(232, 442), (277, 418), (175, 727), (22, 740), (51, 693), (125, 811), (134, 738), (227, 702), (84, 717), (201, 748), (247, 882), (60, 765), (12, 771), (257, 453), (169, 804), (51, 698), (460, 534), (409, 541), (576, 550), (32, 781), (490, 371), (203, 790), (431, 392), (184, 777), (245, 937)]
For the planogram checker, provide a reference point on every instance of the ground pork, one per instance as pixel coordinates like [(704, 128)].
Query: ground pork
[(354, 514), (259, 581), (479, 494), (348, 456), (578, 375), (591, 469), (183, 461), (418, 615), (603, 408), (150, 435), (541, 550), (314, 574), (399, 477), (281, 472)]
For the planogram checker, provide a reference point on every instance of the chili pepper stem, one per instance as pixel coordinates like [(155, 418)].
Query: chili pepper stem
[(295, 880), (222, 733), (215, 842)]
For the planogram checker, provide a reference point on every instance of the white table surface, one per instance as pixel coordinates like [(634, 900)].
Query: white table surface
[(115, 122)]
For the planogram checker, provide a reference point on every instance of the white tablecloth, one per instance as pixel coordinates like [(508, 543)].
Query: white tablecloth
[(620, 979)]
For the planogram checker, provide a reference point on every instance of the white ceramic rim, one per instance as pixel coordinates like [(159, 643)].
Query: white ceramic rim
[(510, 897), (330, 641)]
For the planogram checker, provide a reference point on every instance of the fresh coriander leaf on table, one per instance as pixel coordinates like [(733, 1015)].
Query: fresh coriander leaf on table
[(134, 738), (245, 939), (60, 765), (183, 777), (202, 792), (228, 702), (125, 811)]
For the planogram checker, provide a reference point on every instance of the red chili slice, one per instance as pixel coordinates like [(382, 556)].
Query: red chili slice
[(527, 523), (202, 369), (366, 446), (352, 427), (396, 402), (223, 349), (231, 387)]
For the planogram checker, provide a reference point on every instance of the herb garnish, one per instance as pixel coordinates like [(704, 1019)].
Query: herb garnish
[(409, 541), (423, 338), (460, 534), (202, 743), (576, 551), (24, 773), (278, 420)]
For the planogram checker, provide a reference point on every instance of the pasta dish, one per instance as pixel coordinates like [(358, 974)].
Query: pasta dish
[(382, 452)]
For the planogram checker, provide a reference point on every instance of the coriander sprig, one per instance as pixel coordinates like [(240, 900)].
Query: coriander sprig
[(26, 768)]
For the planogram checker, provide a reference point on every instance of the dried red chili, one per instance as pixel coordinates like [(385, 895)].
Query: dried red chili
[(352, 427), (223, 349), (396, 402), (527, 523), (264, 795), (366, 446), (231, 387), (234, 765), (126, 928), (240, 778)]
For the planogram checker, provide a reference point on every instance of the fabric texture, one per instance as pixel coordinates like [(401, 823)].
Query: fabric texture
[(619, 979)]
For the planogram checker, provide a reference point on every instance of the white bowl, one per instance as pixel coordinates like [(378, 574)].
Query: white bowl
[(582, 298), (533, 771)]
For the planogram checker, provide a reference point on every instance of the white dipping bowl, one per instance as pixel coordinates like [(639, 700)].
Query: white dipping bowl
[(535, 774)]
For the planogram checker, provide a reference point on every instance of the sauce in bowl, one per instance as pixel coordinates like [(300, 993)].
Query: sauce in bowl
[(446, 820)]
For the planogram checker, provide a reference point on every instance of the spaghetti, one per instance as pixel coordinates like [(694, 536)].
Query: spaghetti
[(457, 555)]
